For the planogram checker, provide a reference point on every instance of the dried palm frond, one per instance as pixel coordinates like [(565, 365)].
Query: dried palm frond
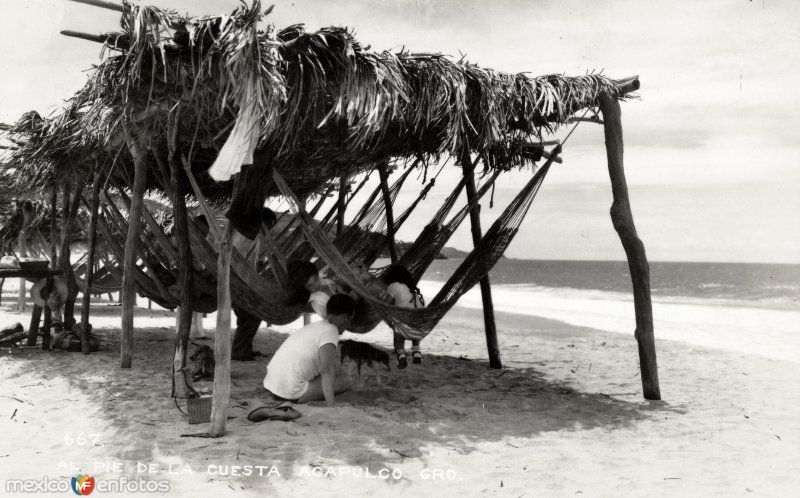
[(317, 105)]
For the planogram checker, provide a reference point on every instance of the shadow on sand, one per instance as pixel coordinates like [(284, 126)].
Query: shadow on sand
[(447, 402)]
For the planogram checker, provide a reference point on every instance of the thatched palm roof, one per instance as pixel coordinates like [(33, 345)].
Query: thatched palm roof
[(316, 105)]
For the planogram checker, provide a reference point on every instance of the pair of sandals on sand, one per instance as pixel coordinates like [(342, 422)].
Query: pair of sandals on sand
[(281, 411)]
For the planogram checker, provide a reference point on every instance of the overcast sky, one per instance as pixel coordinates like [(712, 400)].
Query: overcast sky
[(712, 151)]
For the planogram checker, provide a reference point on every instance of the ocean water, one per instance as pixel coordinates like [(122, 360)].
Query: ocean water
[(760, 285), (748, 308)]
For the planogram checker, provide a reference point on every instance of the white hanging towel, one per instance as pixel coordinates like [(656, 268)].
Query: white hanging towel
[(242, 141)]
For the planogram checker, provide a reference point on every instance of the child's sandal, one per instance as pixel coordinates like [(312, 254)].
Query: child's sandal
[(416, 357)]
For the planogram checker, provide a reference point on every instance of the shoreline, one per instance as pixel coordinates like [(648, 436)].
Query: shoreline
[(770, 333)]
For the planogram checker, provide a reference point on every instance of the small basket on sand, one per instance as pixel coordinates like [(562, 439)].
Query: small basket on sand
[(199, 409)]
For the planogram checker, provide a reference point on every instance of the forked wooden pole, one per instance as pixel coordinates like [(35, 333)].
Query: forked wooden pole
[(622, 218), (486, 288), (138, 151)]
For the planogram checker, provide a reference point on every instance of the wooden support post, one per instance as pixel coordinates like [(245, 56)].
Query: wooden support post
[(27, 220), (48, 313), (87, 290), (33, 330), (342, 205), (180, 385), (197, 331), (128, 294), (47, 324), (222, 337), (622, 218), (70, 213), (387, 200), (486, 289)]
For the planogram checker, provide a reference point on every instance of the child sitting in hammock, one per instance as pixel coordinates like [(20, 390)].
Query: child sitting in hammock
[(374, 285), (403, 292), (306, 287)]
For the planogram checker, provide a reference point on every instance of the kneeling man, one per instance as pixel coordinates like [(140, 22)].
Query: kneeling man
[(303, 368)]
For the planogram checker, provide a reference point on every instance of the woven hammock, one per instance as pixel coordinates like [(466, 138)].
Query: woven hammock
[(417, 323), (264, 297), (104, 279)]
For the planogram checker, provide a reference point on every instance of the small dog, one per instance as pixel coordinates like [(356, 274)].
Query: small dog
[(203, 358), (361, 352)]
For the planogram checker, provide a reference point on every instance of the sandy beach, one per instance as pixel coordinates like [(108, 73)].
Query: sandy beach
[(565, 417)]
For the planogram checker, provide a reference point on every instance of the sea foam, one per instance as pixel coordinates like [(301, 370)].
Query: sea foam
[(717, 324)]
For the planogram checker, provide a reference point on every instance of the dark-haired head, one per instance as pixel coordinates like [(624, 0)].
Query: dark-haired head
[(399, 273), (340, 304), (299, 274), (340, 310)]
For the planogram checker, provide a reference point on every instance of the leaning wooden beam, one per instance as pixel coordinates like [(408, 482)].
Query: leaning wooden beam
[(222, 337), (87, 290), (342, 204), (114, 40), (102, 4), (212, 224), (387, 199), (622, 218), (545, 154), (138, 151), (486, 289), (584, 120), (628, 85)]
